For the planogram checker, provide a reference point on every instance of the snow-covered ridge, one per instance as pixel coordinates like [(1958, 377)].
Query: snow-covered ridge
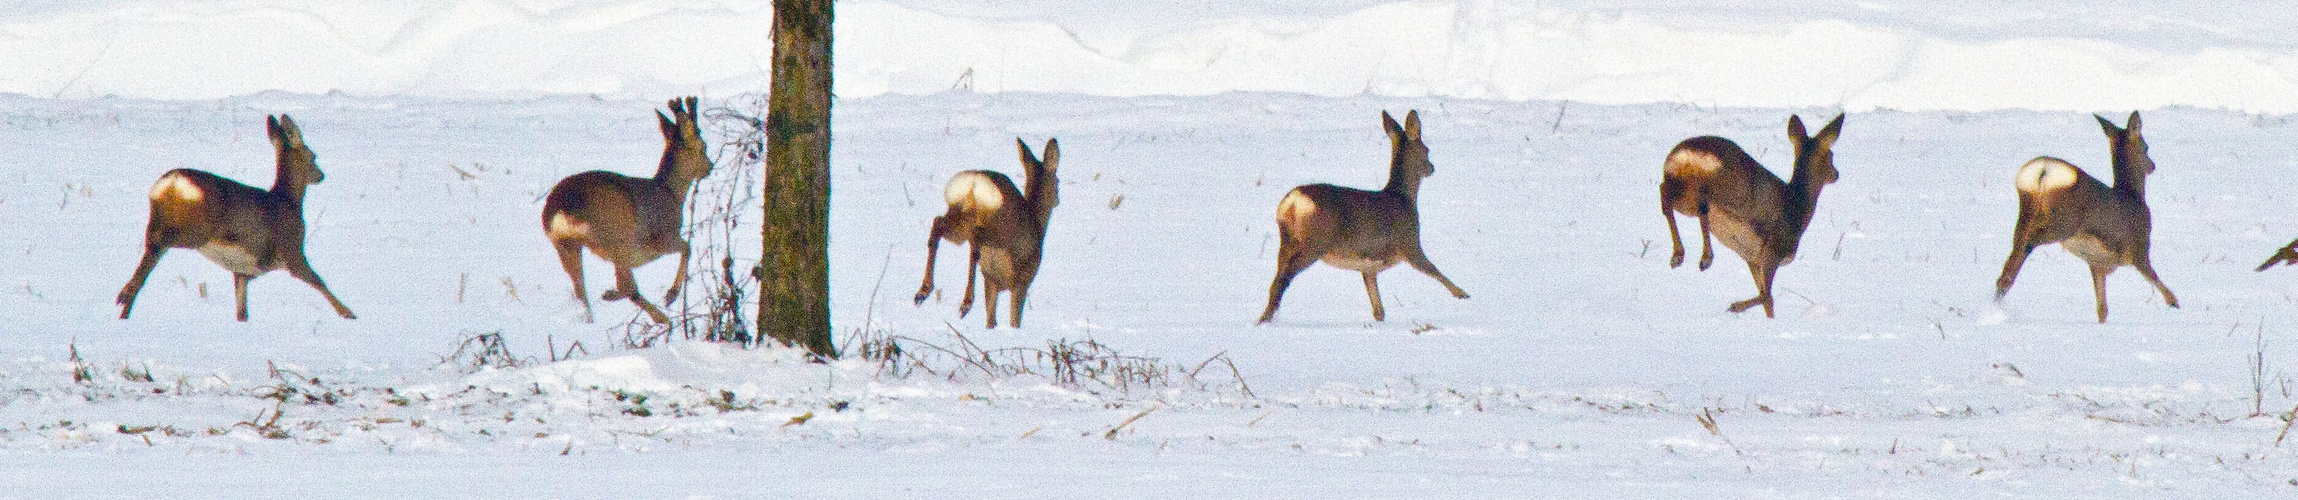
[(1880, 54)]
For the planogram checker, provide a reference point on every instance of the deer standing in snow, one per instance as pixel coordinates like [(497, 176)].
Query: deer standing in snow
[(1005, 226), (1358, 230), (246, 230), (1743, 204), (631, 221), (2108, 227)]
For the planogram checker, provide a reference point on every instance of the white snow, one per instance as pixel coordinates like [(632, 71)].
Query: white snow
[(1882, 54), (1582, 364)]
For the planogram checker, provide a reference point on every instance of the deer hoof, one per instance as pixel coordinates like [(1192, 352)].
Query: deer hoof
[(613, 295)]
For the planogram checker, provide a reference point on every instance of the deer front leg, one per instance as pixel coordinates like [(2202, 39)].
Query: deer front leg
[(1762, 270), (239, 293), (1420, 261), (684, 251), (127, 298), (627, 285), (570, 257), (1372, 288), (2098, 287), (301, 269), (2147, 269), (933, 247)]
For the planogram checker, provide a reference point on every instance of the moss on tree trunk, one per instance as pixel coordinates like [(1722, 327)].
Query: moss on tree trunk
[(794, 303)]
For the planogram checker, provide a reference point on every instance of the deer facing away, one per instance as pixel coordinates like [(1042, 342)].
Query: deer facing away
[(246, 230), (630, 221), (1358, 230), (2108, 227), (1743, 204), (1004, 225)]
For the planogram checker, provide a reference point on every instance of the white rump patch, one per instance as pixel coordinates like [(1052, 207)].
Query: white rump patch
[(1295, 204), (176, 186), (565, 227), (1694, 160), (2046, 174), (232, 257), (975, 189)]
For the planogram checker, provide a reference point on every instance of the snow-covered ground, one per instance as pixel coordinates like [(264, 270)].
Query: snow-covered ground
[(1582, 364)]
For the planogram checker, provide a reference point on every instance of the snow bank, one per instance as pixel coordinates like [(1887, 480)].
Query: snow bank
[(1882, 54)]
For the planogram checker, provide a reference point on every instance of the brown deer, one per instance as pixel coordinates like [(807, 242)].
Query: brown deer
[(246, 230), (1740, 202), (631, 221), (1358, 230), (1005, 225), (2108, 227)]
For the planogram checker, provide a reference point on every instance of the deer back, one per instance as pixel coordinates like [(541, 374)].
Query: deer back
[(2058, 201)]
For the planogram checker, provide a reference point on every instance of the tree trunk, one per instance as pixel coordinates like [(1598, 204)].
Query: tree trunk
[(794, 299)]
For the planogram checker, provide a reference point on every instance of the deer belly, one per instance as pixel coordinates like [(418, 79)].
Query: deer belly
[(2091, 249), (234, 258), (1359, 263), (1735, 234), (996, 265)]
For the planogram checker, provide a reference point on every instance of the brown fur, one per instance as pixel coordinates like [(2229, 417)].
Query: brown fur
[(2288, 254), (1007, 233), (1358, 230), (246, 230), (2108, 227), (631, 221), (1743, 204)]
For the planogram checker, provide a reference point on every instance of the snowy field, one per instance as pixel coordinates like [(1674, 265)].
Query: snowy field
[(1583, 366)]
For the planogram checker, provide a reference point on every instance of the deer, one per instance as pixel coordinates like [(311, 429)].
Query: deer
[(1004, 225), (247, 231), (2108, 227), (631, 221), (1358, 230), (1739, 201)]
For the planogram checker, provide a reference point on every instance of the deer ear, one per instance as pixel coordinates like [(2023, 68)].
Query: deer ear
[(1022, 148), (669, 128), (1388, 124), (1828, 133), (1052, 153), (2108, 126), (1795, 129), (288, 130), (1412, 125), (2132, 125), (271, 129)]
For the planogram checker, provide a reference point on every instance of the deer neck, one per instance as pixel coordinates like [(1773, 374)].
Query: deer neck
[(1801, 200), (289, 181), (1040, 196), (2130, 170), (675, 179), (1402, 179)]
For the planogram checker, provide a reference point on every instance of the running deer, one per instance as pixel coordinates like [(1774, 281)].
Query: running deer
[(627, 220), (246, 230), (1004, 225), (1740, 202), (2108, 227), (1358, 230)]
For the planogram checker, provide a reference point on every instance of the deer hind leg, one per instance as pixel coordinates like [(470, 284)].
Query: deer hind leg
[(972, 268), (239, 293), (2011, 267), (1291, 260), (2098, 287), (570, 257), (1372, 289), (1420, 261), (299, 267), (933, 248), (1707, 243), (1675, 239), (2146, 268), (627, 285), (1763, 271), (127, 298)]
